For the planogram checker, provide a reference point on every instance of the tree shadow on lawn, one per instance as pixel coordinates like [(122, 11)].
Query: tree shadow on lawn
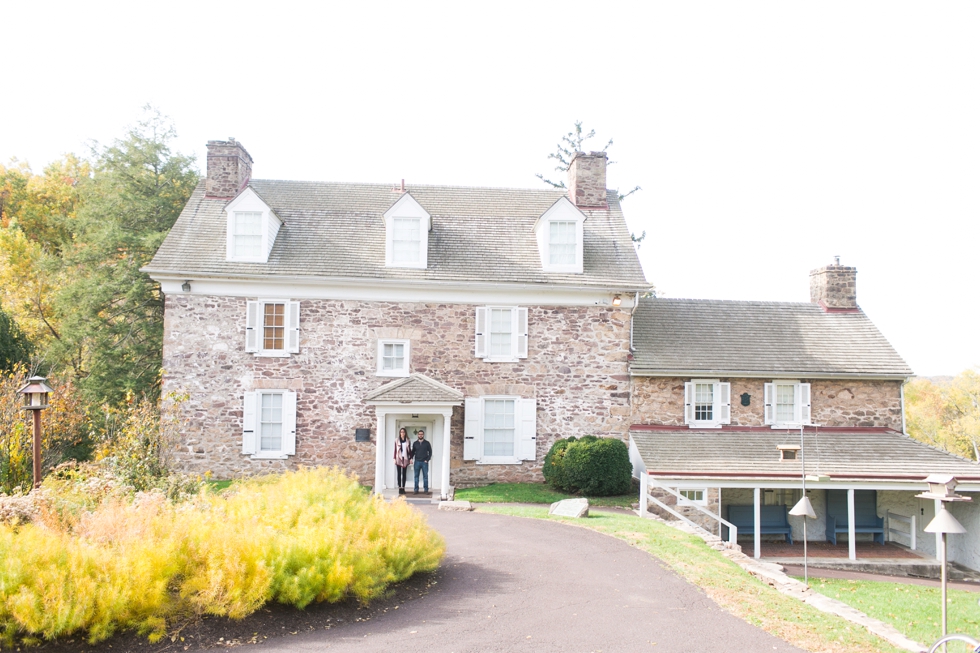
[(404, 604)]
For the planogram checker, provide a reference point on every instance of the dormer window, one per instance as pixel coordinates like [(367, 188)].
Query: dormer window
[(407, 227), (252, 228), (559, 233)]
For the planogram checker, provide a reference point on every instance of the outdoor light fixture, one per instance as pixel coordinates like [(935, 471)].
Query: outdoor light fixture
[(35, 400), (617, 300), (186, 286), (941, 488)]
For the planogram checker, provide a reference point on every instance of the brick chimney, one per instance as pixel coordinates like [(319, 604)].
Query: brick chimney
[(834, 287), (587, 180), (229, 169)]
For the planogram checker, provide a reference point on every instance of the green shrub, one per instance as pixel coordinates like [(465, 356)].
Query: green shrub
[(598, 467), (141, 562), (554, 464)]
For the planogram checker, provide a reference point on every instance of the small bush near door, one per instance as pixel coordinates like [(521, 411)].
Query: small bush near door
[(591, 466)]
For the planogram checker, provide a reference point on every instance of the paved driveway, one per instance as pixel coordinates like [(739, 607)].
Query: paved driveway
[(512, 584)]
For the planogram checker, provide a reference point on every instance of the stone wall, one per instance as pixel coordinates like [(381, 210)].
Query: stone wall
[(659, 400), (576, 369), (587, 179), (696, 515), (229, 169), (834, 287)]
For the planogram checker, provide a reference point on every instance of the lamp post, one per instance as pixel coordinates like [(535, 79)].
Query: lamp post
[(941, 488), (803, 508), (35, 400)]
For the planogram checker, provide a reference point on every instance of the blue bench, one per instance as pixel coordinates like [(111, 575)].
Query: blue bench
[(772, 520), (866, 519)]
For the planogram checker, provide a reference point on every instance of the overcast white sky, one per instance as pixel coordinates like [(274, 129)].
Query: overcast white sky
[(767, 136)]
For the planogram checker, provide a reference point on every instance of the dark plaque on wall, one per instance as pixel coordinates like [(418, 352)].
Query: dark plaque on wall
[(746, 398), (362, 435)]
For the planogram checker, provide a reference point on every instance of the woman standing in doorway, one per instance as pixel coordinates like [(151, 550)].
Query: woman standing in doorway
[(403, 458)]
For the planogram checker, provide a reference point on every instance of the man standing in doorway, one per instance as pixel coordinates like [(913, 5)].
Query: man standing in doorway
[(422, 452)]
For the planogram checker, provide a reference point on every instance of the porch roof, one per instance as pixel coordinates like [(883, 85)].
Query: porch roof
[(416, 388), (860, 454)]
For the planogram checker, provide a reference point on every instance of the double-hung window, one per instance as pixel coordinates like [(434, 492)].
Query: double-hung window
[(252, 227), (500, 430), (562, 242), (269, 424), (247, 237), (393, 357), (407, 227), (272, 327), (501, 333), (406, 240), (707, 403), (787, 403)]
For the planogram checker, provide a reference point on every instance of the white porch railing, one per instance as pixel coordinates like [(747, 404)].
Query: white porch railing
[(646, 496), (909, 522)]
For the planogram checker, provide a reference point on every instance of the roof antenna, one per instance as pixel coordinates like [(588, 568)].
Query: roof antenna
[(836, 258)]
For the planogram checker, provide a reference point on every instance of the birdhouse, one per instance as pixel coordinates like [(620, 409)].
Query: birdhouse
[(35, 393), (941, 487)]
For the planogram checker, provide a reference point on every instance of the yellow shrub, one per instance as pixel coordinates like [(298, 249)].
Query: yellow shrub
[(302, 537)]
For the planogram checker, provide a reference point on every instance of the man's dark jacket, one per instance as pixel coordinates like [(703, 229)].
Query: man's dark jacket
[(422, 451)]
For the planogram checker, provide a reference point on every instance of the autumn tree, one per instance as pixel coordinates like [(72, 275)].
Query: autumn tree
[(946, 414)]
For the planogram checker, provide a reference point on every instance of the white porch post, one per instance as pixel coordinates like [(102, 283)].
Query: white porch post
[(757, 498), (851, 539), (447, 418), (643, 493), (379, 462)]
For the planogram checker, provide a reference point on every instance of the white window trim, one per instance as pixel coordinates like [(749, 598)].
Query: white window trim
[(802, 404), (249, 202), (251, 437), (408, 350), (407, 208), (561, 211), (519, 334), (525, 430), (684, 501), (721, 409), (291, 332)]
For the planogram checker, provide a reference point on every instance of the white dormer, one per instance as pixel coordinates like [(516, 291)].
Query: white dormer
[(407, 227), (252, 228), (559, 232)]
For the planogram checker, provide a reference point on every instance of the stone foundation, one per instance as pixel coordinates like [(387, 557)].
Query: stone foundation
[(576, 370)]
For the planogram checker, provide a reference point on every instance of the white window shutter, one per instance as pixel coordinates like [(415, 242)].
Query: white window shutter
[(472, 433), (252, 327), (289, 423), (724, 394), (528, 438), (249, 423), (688, 403), (481, 331), (804, 403), (522, 333), (293, 328), (769, 403)]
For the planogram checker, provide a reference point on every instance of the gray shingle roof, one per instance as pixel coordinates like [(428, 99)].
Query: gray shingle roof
[(727, 338), (337, 230), (416, 388), (856, 453)]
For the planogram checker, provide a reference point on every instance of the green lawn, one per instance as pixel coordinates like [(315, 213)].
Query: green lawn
[(912, 609), (533, 493), (724, 582), (218, 486)]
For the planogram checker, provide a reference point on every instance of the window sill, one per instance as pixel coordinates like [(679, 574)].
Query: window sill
[(394, 374), (499, 461), (268, 455), (692, 503), (704, 425), (789, 425), (501, 360), (272, 354)]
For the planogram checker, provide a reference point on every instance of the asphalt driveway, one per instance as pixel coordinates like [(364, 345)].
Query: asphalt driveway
[(512, 584)]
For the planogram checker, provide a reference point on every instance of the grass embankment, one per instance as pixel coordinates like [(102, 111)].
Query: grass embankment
[(912, 609), (533, 493), (726, 583), (143, 563)]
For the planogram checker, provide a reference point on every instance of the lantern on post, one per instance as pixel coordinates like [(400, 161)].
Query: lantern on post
[(35, 400)]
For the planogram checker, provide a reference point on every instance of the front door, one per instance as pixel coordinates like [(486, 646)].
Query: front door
[(435, 465)]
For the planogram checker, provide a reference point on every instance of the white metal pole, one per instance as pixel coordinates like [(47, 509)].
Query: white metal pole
[(851, 535), (643, 493), (943, 561), (757, 497)]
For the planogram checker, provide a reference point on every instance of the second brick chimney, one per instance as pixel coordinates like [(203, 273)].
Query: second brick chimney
[(587, 180), (229, 169), (834, 287)]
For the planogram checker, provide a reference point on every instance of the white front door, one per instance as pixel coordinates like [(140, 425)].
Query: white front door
[(435, 439)]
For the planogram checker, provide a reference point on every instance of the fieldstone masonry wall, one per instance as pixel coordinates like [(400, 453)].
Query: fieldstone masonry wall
[(834, 286), (576, 369), (229, 168), (832, 403), (587, 179), (696, 515)]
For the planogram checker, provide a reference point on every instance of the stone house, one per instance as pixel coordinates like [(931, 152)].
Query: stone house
[(308, 322), (731, 399)]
